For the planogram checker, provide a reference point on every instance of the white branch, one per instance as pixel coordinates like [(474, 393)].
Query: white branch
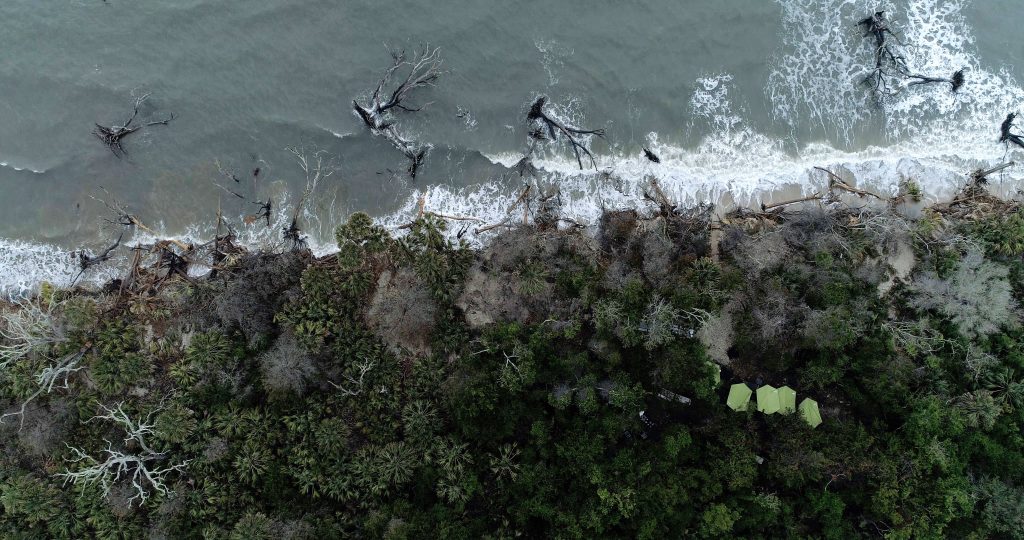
[(29, 327), (47, 379), (364, 368), (141, 469)]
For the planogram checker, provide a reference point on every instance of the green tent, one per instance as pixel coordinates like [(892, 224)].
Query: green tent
[(787, 400), (809, 410), (718, 373), (768, 399), (739, 396)]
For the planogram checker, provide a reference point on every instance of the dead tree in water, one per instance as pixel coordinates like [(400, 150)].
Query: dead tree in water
[(554, 127), (887, 57), (890, 63), (113, 135), (317, 167), (955, 82), (265, 211), (424, 69), (87, 260), (1006, 134)]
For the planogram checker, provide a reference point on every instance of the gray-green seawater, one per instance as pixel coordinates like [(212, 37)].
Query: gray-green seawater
[(740, 99)]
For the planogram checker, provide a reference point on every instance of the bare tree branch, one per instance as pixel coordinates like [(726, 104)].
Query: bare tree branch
[(112, 136), (423, 71), (141, 469), (555, 126), (317, 166)]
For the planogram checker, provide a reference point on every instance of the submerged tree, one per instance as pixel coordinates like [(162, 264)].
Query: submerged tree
[(423, 70), (112, 136), (554, 126), (1006, 134), (955, 81), (87, 260), (888, 58), (317, 167), (891, 66)]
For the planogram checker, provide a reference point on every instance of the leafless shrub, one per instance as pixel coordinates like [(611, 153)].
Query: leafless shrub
[(917, 338), (31, 326), (764, 252), (815, 229), (402, 311), (255, 292), (978, 297), (286, 367), (717, 336)]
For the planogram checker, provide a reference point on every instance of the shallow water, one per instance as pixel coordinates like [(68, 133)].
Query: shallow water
[(740, 99)]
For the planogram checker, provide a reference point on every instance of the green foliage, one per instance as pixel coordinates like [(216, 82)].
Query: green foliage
[(533, 275), (176, 423), (360, 236), (717, 521), (118, 364), (532, 427), (34, 503), (253, 526), (1002, 234), (441, 263), (1002, 507)]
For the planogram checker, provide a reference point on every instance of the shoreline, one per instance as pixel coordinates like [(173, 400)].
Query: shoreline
[(871, 197)]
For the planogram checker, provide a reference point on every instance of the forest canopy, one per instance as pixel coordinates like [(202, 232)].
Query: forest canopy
[(554, 383)]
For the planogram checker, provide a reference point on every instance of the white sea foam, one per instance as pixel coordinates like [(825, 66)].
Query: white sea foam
[(24, 265), (20, 168)]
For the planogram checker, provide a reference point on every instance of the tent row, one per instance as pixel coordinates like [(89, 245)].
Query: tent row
[(771, 400)]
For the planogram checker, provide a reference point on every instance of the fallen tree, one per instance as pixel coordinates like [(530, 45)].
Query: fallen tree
[(113, 136), (1006, 134), (955, 81), (554, 126), (889, 60), (891, 73), (423, 71)]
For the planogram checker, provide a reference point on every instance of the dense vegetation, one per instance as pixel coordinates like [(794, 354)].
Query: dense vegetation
[(415, 388)]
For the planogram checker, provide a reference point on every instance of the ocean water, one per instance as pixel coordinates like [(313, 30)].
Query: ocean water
[(741, 99)]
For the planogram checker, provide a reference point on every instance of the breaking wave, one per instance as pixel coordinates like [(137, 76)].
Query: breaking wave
[(922, 133)]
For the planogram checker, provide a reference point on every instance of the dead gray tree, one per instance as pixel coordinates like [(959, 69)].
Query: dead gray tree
[(423, 70), (51, 377), (891, 66), (31, 326), (112, 136), (554, 126), (142, 468)]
